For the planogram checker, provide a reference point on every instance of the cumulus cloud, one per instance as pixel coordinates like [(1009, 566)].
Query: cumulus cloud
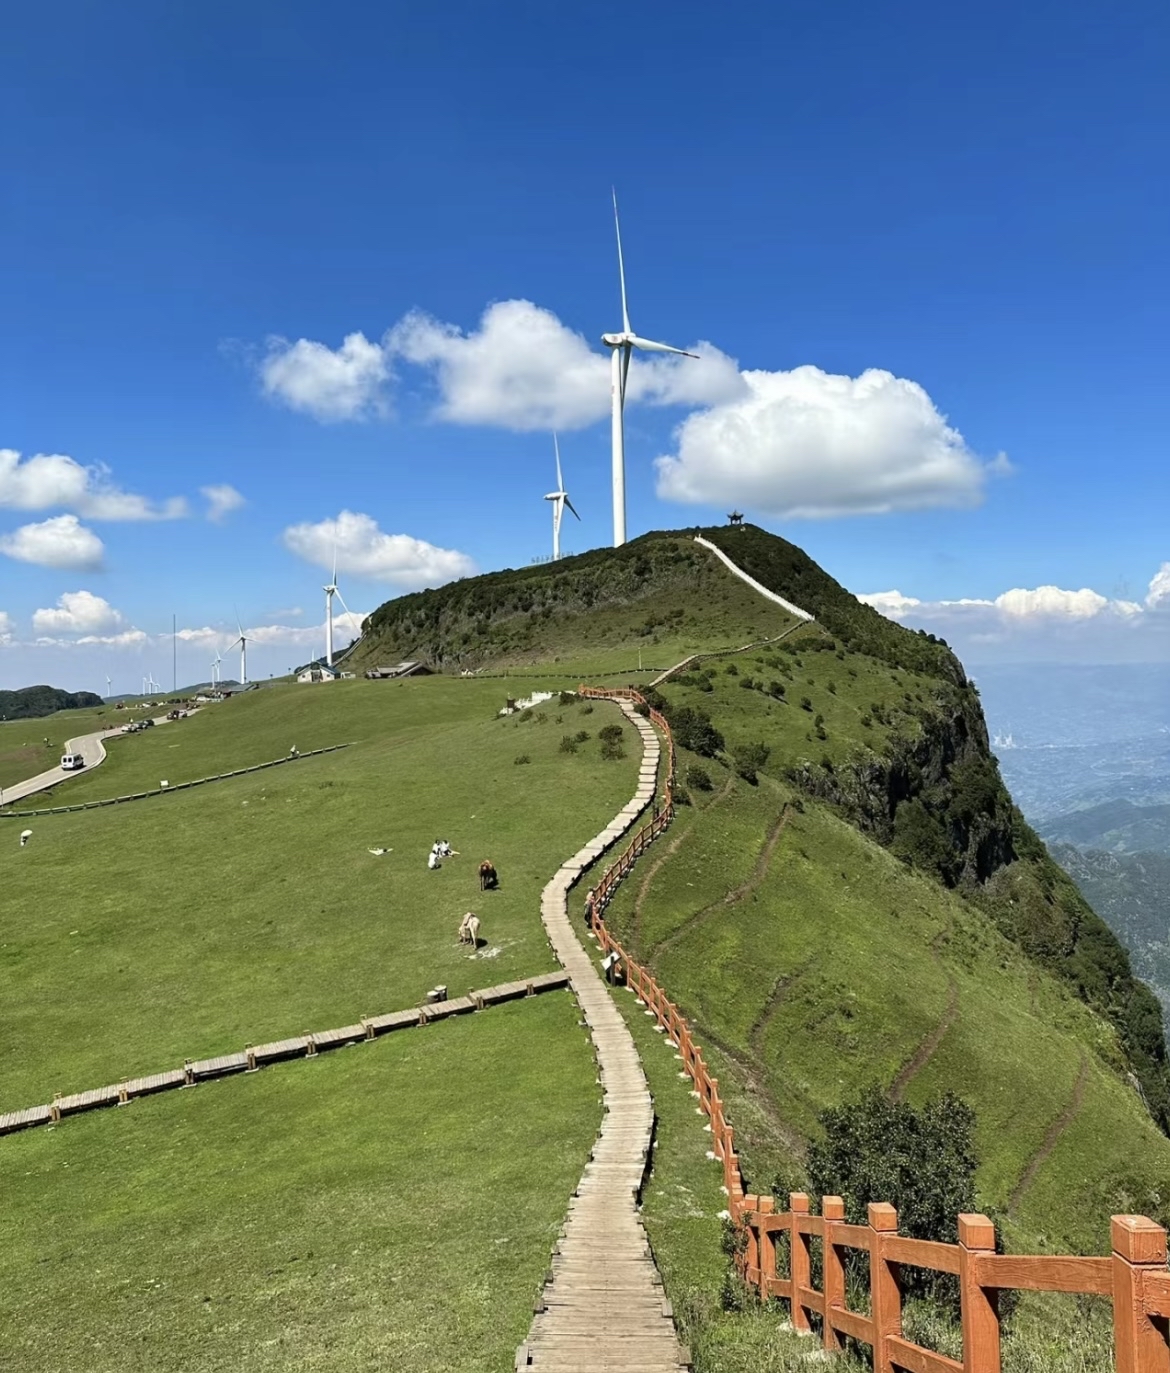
[(363, 550), (62, 542), (7, 627), (523, 369), (77, 612), (1019, 605), (1158, 593), (809, 444), (346, 383), (221, 501), (53, 479)]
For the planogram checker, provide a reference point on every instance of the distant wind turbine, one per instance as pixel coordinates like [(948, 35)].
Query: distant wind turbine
[(330, 591), (621, 346), (243, 643), (215, 662), (560, 499), (109, 684)]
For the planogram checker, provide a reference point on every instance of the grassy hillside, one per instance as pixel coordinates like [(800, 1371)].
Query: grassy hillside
[(29, 703), (30, 746)]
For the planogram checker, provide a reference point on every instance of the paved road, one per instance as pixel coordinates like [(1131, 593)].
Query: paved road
[(92, 749)]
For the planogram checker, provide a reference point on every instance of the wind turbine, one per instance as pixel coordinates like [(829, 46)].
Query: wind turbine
[(560, 499), (109, 684), (621, 346), (330, 591), (243, 643), (215, 662)]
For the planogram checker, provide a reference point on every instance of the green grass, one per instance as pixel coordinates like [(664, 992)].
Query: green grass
[(389, 1206), (838, 965), (186, 925), (23, 751)]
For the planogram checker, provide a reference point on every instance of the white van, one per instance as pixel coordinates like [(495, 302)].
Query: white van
[(70, 762)]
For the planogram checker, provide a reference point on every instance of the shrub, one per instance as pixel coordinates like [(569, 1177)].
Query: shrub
[(612, 749), (832, 688), (610, 732), (582, 736), (567, 698), (698, 779), (820, 720), (522, 758), (866, 722), (776, 689), (805, 703), (693, 730), (525, 716), (586, 710), (746, 682), (731, 670), (749, 758), (921, 1160), (568, 744), (682, 797)]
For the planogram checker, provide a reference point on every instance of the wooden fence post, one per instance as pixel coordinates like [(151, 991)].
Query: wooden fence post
[(884, 1293), (833, 1211), (799, 1260), (751, 1253), (980, 1305), (767, 1250), (1138, 1245)]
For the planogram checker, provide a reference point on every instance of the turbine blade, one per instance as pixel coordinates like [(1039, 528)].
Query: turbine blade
[(649, 346), (621, 265), (571, 506), (625, 370), (344, 607), (333, 579), (557, 451)]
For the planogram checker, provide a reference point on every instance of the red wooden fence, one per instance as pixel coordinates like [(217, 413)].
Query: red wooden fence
[(1135, 1276)]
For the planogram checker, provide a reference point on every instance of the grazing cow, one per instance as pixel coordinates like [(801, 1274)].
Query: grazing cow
[(488, 877), (25, 836), (469, 930)]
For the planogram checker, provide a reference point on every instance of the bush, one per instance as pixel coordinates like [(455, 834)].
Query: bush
[(586, 710), (610, 732), (832, 688), (746, 682), (611, 749), (568, 744), (749, 758), (921, 1161), (731, 670), (693, 730), (522, 758), (776, 689), (682, 797), (805, 703), (567, 698), (582, 736), (698, 779)]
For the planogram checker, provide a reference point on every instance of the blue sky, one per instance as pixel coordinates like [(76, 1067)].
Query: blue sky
[(923, 251)]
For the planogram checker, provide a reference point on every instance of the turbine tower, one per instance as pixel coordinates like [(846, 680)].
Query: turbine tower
[(560, 499), (108, 684), (215, 662), (621, 345), (243, 643), (330, 591)]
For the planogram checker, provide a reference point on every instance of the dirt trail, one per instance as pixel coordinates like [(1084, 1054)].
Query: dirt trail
[(758, 872), (1052, 1137), (929, 1046), (759, 1030)]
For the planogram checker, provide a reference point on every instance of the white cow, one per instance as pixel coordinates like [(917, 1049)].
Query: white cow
[(469, 930), (25, 836)]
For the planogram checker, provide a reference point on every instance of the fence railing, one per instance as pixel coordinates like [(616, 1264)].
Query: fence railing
[(779, 1247)]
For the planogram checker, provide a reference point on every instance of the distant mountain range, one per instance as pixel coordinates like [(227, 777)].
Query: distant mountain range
[(29, 703), (1114, 826)]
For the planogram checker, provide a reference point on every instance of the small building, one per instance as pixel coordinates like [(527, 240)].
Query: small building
[(318, 672), (411, 669)]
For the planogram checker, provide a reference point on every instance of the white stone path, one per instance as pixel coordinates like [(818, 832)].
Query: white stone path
[(605, 1308)]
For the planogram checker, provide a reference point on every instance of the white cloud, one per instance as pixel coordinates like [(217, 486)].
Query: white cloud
[(523, 369), (7, 627), (1158, 594), (62, 542), (52, 479), (1018, 606), (363, 550), (810, 444), (345, 383), (892, 604), (77, 612), (221, 501)]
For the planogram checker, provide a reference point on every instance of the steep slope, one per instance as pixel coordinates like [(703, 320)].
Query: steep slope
[(856, 896)]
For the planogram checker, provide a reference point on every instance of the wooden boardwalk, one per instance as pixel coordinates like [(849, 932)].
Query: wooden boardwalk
[(603, 1306)]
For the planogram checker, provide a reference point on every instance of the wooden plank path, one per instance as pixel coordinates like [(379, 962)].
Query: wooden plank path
[(603, 1304)]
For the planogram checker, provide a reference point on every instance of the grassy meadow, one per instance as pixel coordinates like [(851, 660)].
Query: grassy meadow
[(388, 1206), (246, 910)]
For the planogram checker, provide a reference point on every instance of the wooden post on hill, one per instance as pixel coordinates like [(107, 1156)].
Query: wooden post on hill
[(833, 1212), (979, 1304), (884, 1293), (767, 1248), (1139, 1247), (799, 1259)]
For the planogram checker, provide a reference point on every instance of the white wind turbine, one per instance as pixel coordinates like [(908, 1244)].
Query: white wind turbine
[(215, 662), (109, 684), (621, 346), (560, 499), (243, 643), (330, 591)]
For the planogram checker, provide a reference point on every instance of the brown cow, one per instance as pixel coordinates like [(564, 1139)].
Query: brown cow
[(488, 878)]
